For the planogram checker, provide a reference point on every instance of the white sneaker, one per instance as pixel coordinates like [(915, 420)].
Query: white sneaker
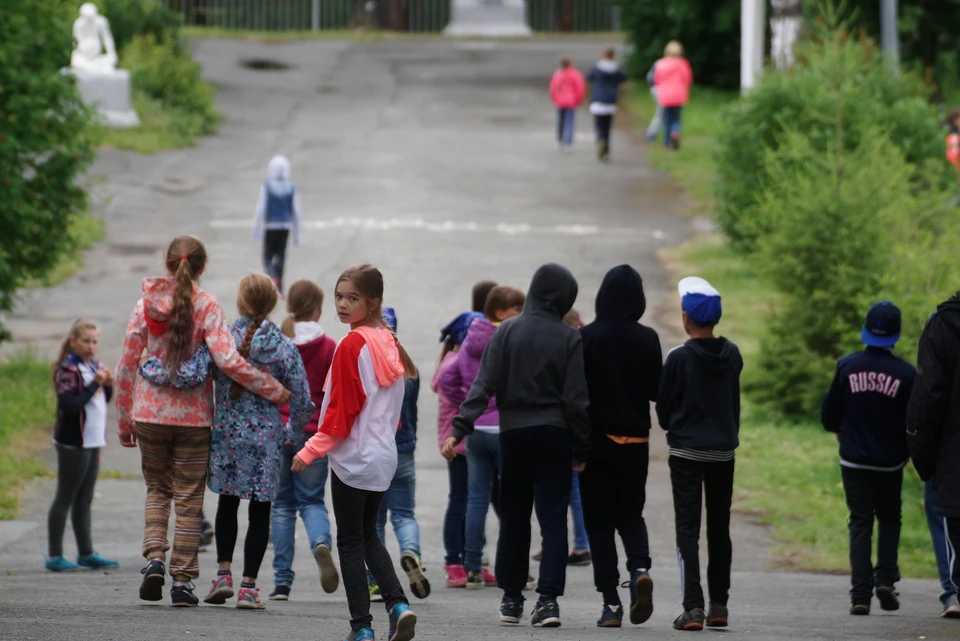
[(951, 609)]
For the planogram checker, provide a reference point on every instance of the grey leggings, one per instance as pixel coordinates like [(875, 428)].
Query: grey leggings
[(77, 471)]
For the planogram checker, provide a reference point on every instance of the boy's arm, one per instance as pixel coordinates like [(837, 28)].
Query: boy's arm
[(576, 400), (259, 214), (481, 391), (831, 415), (929, 399), (668, 393)]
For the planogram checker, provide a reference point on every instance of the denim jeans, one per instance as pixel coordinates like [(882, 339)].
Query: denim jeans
[(565, 120), (580, 540), (455, 518), (671, 124), (301, 492), (399, 501), (483, 459), (935, 524)]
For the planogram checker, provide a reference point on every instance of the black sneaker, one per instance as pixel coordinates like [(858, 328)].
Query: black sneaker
[(580, 559), (641, 596), (475, 580), (611, 617), (717, 616), (181, 596), (280, 593), (860, 609), (511, 610), (888, 598), (690, 620), (151, 587), (546, 614)]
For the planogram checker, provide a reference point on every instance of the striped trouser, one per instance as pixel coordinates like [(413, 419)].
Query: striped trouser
[(174, 463)]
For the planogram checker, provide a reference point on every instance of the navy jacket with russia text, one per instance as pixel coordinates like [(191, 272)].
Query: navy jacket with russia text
[(867, 406)]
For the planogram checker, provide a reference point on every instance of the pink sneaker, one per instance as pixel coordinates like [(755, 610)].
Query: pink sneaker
[(456, 576), (221, 591), (488, 579), (249, 599)]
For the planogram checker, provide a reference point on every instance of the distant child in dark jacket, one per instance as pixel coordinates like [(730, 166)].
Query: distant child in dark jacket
[(399, 498), (84, 387), (605, 80), (534, 366), (699, 407), (623, 363), (277, 214), (867, 408)]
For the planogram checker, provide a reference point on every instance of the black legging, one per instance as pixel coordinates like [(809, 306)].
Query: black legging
[(258, 533)]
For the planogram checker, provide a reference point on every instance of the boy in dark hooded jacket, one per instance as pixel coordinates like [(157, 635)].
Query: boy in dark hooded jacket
[(622, 359), (534, 366)]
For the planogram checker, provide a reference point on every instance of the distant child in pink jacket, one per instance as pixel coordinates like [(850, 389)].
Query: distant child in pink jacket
[(567, 89), (672, 78)]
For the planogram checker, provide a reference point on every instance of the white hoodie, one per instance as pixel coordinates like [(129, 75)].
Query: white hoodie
[(278, 181)]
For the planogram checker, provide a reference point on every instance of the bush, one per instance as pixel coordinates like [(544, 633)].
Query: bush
[(162, 72), (129, 18), (44, 144), (872, 100)]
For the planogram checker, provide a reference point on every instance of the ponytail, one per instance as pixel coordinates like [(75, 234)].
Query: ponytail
[(304, 298), (236, 389), (186, 258), (79, 326), (64, 350), (288, 326), (256, 298)]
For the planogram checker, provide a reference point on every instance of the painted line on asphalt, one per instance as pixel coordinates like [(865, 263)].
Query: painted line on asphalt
[(449, 226)]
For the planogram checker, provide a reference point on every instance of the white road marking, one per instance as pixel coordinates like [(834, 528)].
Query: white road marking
[(450, 226)]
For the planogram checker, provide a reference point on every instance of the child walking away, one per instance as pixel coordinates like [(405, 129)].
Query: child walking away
[(483, 446), (567, 89), (867, 408), (172, 425), (699, 407), (605, 79), (278, 212), (672, 78), (304, 491), (399, 499), (622, 359), (83, 387), (534, 367), (246, 443), (361, 413)]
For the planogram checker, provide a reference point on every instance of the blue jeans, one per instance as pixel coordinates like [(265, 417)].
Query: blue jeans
[(483, 459), (565, 119), (580, 540), (301, 492), (671, 124), (935, 523), (454, 521), (399, 501)]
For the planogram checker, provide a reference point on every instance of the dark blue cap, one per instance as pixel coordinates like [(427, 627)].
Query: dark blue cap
[(882, 327)]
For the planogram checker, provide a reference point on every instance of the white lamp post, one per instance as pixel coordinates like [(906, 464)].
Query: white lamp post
[(752, 31)]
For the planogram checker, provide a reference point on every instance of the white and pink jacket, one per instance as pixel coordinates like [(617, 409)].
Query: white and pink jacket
[(361, 411)]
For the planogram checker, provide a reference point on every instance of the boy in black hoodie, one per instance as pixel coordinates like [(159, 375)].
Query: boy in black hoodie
[(534, 366), (867, 408), (623, 361), (699, 407)]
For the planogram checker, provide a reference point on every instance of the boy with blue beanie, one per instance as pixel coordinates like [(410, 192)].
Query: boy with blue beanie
[(867, 408), (699, 407)]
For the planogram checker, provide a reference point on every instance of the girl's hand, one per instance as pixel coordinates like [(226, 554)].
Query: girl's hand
[(579, 467), (447, 449), (298, 464), (285, 397), (128, 440), (102, 376)]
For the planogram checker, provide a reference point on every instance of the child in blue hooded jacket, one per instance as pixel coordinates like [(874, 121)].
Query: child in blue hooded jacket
[(277, 214)]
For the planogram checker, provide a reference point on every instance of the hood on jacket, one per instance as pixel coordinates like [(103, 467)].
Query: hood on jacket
[(278, 176), (607, 66), (553, 290), (479, 334), (949, 310), (306, 332), (621, 295), (158, 302), (385, 354), (267, 342), (715, 355)]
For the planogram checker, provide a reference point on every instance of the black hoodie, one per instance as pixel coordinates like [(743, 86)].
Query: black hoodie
[(534, 366), (933, 413), (622, 358), (699, 400)]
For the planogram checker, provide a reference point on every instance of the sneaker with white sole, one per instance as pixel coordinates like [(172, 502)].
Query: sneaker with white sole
[(221, 590), (511, 610), (403, 623), (951, 609), (412, 565), (329, 577), (546, 614), (475, 580), (280, 593), (249, 599)]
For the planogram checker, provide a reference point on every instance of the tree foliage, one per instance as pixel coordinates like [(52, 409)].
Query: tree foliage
[(44, 145)]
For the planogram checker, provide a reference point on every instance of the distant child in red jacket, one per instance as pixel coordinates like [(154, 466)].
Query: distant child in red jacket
[(672, 78), (303, 491), (567, 89)]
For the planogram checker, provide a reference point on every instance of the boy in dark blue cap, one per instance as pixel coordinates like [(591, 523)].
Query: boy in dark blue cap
[(699, 407), (867, 408)]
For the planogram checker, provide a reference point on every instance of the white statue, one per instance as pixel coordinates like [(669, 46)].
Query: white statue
[(786, 25), (95, 51)]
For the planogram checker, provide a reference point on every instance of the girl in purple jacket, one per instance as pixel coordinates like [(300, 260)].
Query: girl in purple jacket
[(483, 446)]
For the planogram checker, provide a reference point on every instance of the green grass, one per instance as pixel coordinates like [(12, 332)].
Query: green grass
[(86, 230), (693, 166), (788, 474), (160, 129), (27, 408)]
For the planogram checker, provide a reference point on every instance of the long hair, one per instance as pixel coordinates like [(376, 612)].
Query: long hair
[(79, 326), (256, 298), (480, 292), (303, 298), (186, 259), (369, 283)]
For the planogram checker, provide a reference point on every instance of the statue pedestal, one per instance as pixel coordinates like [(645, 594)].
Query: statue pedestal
[(490, 18), (109, 95)]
